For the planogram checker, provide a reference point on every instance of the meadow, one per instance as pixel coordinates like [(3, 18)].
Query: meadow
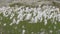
[(29, 19)]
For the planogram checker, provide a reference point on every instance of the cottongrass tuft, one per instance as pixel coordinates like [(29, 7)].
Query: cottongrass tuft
[(32, 15)]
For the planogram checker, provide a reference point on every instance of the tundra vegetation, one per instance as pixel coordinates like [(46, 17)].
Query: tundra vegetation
[(26, 19)]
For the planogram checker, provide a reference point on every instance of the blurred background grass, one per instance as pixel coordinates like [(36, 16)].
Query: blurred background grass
[(29, 27)]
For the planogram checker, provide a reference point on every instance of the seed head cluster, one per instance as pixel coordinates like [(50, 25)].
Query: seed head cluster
[(32, 15)]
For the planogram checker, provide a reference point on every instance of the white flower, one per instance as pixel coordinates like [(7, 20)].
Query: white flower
[(4, 24), (28, 16), (14, 20), (23, 31), (46, 11), (17, 22), (12, 15)]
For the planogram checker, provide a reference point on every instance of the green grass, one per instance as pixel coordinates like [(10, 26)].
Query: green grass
[(29, 27), (21, 4)]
